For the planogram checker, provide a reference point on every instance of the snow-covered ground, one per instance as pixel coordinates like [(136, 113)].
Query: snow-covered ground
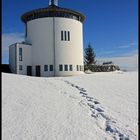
[(98, 106)]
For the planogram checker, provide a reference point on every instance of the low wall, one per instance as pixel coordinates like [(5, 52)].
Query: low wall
[(101, 68)]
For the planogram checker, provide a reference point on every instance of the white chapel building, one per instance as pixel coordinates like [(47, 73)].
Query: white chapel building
[(53, 44)]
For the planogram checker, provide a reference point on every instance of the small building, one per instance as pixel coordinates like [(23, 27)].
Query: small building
[(53, 44)]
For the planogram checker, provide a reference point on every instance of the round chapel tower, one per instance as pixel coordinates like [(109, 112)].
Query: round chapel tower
[(56, 36)]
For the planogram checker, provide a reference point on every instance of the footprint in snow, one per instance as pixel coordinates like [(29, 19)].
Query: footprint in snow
[(72, 85), (90, 100), (97, 112), (77, 87), (91, 105), (99, 109), (96, 102), (89, 97), (83, 90), (83, 93)]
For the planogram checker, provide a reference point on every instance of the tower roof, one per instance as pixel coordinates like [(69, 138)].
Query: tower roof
[(52, 11)]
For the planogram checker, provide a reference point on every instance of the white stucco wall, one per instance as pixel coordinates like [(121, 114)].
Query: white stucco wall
[(47, 48), (68, 52), (40, 35), (26, 58), (14, 62)]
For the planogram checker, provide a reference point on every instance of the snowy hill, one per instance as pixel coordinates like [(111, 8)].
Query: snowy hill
[(99, 106)]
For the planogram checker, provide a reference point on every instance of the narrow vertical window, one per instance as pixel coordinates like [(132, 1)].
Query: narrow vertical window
[(70, 67), (65, 36), (66, 67), (20, 54), (51, 67), (62, 35), (20, 67), (77, 68), (60, 67), (45, 67), (68, 36), (80, 68)]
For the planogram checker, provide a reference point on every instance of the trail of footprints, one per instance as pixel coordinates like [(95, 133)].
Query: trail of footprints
[(97, 112)]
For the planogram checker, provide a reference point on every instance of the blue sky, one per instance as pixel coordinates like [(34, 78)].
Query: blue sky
[(111, 26)]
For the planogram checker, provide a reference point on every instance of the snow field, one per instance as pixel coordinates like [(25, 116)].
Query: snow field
[(100, 106)]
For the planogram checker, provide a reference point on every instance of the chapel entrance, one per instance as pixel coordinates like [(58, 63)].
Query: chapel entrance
[(29, 70), (38, 71)]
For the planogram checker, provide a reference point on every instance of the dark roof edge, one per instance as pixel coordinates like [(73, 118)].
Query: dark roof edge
[(23, 43), (51, 8)]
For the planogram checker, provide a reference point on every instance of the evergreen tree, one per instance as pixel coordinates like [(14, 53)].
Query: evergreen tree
[(89, 57)]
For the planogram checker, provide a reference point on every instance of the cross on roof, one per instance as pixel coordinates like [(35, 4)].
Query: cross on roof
[(53, 2)]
